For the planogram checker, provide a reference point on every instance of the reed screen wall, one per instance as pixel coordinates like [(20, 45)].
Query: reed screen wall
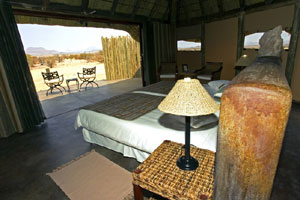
[(121, 57)]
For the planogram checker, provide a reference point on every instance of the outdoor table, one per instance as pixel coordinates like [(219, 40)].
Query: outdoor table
[(72, 79)]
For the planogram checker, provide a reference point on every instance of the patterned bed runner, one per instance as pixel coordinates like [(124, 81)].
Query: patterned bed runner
[(162, 87), (128, 106)]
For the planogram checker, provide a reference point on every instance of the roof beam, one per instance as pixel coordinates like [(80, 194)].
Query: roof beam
[(136, 5), (242, 5), (114, 6), (220, 6), (174, 11), (168, 10), (59, 8), (45, 4), (177, 11), (236, 12), (152, 9), (68, 16), (293, 44), (269, 1), (186, 12), (201, 7)]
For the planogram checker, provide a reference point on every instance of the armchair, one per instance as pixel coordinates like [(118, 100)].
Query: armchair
[(87, 76), (53, 80), (167, 71), (211, 71)]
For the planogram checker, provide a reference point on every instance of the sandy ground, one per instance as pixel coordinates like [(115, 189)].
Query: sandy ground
[(69, 69)]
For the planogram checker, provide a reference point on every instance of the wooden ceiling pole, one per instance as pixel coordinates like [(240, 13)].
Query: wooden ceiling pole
[(186, 12), (241, 35), (45, 4), (168, 11), (84, 5), (152, 10), (114, 6), (269, 1), (175, 12), (201, 8), (136, 5), (242, 5), (203, 44), (220, 6), (293, 44)]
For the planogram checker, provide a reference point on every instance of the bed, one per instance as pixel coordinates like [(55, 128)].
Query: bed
[(138, 136)]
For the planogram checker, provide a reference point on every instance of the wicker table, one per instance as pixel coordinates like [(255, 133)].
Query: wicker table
[(159, 174)]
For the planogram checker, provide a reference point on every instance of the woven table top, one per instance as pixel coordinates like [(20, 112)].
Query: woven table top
[(160, 174)]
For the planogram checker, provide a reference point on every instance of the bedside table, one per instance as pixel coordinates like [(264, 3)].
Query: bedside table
[(160, 175)]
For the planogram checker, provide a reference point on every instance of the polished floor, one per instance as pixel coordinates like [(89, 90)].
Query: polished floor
[(26, 158)]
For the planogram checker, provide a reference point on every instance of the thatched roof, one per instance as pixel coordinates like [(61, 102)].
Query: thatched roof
[(183, 12)]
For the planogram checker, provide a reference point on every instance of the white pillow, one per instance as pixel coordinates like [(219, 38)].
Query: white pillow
[(203, 120)]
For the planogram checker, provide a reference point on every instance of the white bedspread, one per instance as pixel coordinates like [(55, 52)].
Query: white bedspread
[(144, 133)]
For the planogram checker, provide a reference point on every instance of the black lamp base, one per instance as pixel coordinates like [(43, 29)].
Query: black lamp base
[(187, 164)]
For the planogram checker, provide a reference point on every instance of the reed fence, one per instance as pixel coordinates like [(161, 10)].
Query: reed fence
[(121, 57)]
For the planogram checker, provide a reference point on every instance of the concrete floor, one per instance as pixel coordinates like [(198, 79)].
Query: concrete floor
[(26, 158), (56, 104)]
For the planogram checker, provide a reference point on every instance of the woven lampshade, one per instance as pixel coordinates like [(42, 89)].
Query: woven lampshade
[(188, 98)]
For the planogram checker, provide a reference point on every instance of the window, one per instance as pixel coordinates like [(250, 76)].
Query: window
[(183, 45), (252, 40)]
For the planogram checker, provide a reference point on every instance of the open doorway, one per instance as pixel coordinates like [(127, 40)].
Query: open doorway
[(68, 51)]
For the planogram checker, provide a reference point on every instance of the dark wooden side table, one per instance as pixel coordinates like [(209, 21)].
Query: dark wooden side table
[(72, 79), (159, 174)]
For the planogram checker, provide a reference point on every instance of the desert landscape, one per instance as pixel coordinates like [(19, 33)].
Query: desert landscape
[(68, 68), (68, 65)]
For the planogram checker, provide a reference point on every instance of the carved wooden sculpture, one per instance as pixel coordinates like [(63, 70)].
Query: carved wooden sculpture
[(254, 113)]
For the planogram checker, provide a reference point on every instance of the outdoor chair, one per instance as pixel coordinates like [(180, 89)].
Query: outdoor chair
[(168, 71), (53, 80), (88, 76), (211, 71)]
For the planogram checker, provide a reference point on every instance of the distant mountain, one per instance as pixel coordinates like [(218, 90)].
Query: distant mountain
[(40, 51), (92, 49)]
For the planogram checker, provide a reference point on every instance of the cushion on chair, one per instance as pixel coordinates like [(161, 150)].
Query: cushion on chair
[(89, 76), (167, 76), (206, 77), (52, 81)]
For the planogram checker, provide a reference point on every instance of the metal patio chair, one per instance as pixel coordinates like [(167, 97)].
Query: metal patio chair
[(53, 80), (88, 76)]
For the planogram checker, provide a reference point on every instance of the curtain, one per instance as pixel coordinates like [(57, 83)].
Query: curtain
[(165, 43), (19, 84)]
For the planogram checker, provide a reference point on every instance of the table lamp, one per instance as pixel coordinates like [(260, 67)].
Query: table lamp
[(188, 98)]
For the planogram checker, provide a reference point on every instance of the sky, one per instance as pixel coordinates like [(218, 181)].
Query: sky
[(61, 38), (64, 39)]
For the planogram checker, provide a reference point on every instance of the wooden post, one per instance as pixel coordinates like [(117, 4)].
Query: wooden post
[(202, 44), (253, 116), (293, 44), (241, 35)]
